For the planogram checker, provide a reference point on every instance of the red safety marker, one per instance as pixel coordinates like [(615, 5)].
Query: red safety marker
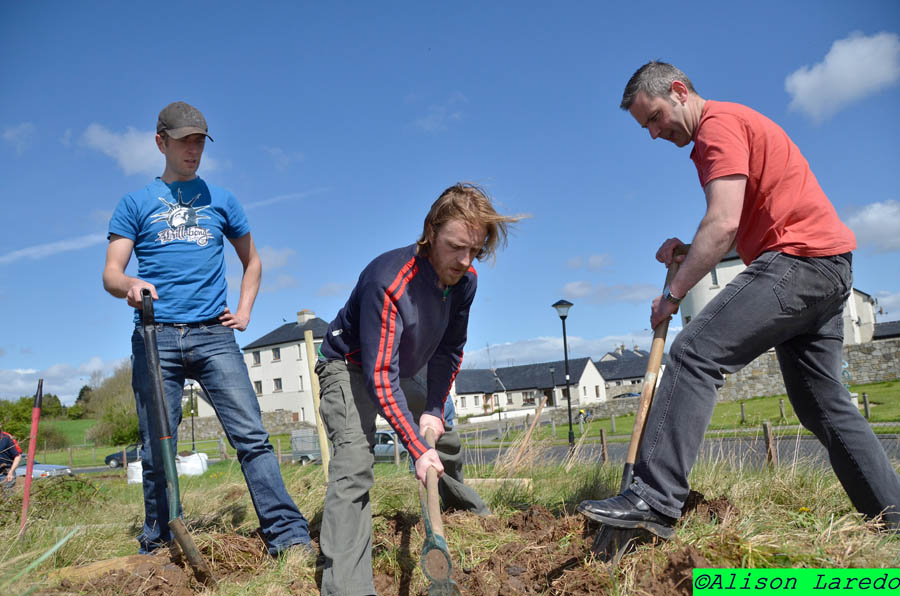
[(32, 447)]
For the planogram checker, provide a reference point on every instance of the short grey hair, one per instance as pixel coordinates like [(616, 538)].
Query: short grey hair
[(655, 79)]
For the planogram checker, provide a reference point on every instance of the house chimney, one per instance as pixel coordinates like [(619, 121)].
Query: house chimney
[(304, 316)]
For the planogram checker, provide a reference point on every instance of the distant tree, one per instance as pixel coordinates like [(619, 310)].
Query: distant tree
[(84, 395), (75, 412), (51, 407), (112, 404)]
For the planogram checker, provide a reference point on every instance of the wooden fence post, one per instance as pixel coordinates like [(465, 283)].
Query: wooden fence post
[(396, 451), (781, 407), (866, 404), (278, 450), (604, 452), (743, 414), (70, 457), (771, 452), (612, 424)]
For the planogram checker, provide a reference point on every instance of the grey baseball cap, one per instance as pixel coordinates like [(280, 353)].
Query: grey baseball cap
[(179, 119)]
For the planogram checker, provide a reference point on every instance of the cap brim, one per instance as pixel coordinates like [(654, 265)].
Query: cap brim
[(180, 133)]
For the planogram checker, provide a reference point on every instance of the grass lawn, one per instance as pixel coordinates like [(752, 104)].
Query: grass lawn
[(782, 517), (74, 430)]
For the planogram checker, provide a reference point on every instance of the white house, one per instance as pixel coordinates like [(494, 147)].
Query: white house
[(483, 391), (278, 368), (859, 310)]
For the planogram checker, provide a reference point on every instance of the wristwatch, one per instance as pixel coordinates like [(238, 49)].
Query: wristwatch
[(667, 295)]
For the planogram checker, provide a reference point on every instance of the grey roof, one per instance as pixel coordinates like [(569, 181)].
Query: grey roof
[(517, 378), (887, 330), (477, 380), (537, 376), (289, 333), (624, 368)]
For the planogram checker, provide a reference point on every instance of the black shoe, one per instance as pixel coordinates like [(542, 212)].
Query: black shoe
[(628, 510)]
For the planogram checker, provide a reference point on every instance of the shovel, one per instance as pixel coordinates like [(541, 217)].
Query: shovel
[(436, 561), (611, 543), (167, 447)]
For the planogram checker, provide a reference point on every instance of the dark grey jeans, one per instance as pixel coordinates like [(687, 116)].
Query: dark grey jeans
[(795, 305), (349, 416)]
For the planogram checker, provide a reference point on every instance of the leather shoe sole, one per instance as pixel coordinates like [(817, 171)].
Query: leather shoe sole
[(628, 511)]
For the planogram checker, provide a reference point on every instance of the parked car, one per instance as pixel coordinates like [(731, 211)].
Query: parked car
[(384, 446), (40, 470), (132, 452)]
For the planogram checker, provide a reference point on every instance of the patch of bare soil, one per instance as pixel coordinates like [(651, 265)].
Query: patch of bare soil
[(550, 555), (675, 578), (715, 510), (230, 556)]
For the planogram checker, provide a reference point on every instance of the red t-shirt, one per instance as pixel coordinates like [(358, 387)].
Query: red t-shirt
[(784, 209)]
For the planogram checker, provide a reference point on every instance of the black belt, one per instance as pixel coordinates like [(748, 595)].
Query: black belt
[(206, 323)]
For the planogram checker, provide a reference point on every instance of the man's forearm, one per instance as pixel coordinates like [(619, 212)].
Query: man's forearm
[(117, 283), (249, 288), (714, 238)]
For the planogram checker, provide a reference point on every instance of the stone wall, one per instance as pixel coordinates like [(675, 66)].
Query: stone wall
[(871, 362), (207, 428)]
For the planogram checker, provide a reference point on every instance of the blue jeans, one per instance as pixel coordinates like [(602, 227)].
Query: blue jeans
[(795, 305), (210, 356)]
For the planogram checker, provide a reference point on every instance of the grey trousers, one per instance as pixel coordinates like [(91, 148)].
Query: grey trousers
[(349, 416), (795, 305)]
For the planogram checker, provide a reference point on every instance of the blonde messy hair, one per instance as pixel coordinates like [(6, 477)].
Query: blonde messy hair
[(470, 203)]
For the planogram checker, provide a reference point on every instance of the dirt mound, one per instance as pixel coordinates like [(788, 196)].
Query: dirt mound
[(676, 577), (715, 510), (536, 552)]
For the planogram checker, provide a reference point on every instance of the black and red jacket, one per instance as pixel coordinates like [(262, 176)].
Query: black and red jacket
[(9, 449), (396, 321)]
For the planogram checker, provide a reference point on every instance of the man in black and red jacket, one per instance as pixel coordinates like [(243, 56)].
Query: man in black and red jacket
[(394, 349), (10, 456)]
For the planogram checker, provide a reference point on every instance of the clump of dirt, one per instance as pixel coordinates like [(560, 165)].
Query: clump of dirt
[(156, 575), (715, 510), (676, 577)]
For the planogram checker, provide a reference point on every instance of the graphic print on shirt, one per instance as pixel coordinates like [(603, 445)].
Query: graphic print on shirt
[(182, 219)]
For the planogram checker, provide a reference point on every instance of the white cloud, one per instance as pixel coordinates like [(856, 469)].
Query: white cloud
[(134, 150), (66, 139), (333, 289), (575, 263), (889, 304), (275, 258), (283, 159), (19, 136), (63, 379), (877, 226), (550, 349), (597, 262), (293, 196), (50, 249), (854, 67), (279, 282), (602, 293), (439, 117)]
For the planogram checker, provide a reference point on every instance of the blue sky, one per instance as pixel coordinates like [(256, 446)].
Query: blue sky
[(337, 124)]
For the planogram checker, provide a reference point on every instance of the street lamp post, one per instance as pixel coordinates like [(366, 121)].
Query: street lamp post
[(562, 309), (193, 444)]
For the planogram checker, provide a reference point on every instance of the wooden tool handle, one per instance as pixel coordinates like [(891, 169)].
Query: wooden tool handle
[(431, 488)]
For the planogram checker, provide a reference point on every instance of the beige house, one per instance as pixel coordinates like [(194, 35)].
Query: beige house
[(859, 310)]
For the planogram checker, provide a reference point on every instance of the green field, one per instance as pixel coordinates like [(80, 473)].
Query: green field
[(884, 406)]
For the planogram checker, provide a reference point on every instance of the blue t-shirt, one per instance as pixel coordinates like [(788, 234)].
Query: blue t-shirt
[(179, 231)]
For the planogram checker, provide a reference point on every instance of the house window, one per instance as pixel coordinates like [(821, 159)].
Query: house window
[(596, 390), (462, 401), (509, 399), (476, 401), (299, 351), (257, 386), (715, 276), (565, 392), (496, 401), (256, 358), (303, 414), (584, 391), (276, 354), (301, 383), (277, 385)]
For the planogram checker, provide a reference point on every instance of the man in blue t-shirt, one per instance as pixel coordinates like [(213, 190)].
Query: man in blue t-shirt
[(176, 226)]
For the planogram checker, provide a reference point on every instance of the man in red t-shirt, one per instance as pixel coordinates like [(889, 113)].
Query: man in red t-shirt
[(762, 199)]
